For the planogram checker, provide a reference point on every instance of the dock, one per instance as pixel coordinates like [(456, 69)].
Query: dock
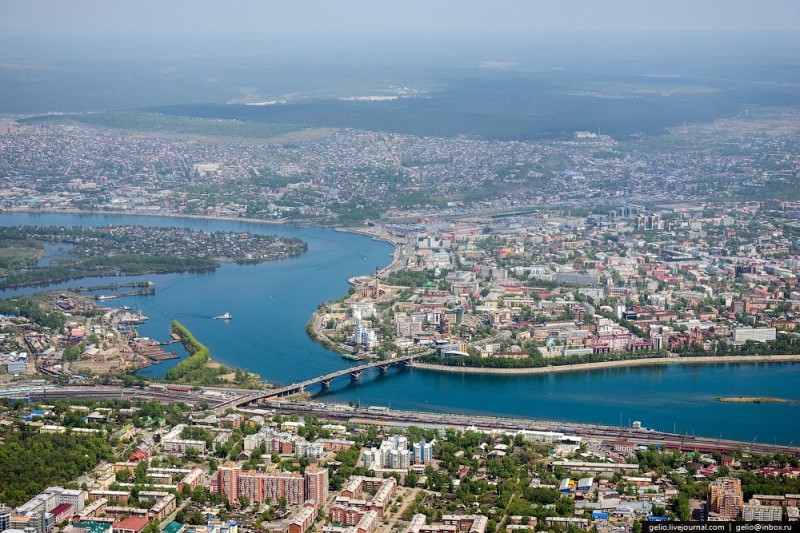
[(152, 350), (147, 291)]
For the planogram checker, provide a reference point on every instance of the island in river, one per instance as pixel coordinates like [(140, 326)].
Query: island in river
[(753, 399), (128, 250)]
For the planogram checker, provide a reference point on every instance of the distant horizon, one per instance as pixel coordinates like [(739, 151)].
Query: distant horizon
[(64, 19), (401, 43)]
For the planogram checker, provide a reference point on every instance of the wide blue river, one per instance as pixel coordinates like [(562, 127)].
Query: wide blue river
[(272, 302)]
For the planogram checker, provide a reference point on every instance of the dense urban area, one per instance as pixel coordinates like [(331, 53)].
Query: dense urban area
[(123, 464), (350, 176), (508, 257)]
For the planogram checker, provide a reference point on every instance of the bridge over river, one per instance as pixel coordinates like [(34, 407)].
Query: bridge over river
[(354, 373)]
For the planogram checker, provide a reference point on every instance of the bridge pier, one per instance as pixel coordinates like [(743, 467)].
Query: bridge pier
[(326, 383), (356, 375), (385, 368)]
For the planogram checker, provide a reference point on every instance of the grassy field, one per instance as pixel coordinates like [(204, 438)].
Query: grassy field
[(14, 256)]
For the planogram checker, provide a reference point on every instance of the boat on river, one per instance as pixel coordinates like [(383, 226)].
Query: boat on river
[(224, 316)]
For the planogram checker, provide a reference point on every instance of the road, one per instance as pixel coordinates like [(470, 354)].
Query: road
[(346, 414)]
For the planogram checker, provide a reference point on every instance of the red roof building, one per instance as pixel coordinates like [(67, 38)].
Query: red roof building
[(130, 525), (137, 455), (62, 512)]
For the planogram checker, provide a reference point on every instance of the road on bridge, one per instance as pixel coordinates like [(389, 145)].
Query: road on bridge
[(354, 372)]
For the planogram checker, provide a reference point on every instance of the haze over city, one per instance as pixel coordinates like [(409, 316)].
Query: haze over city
[(399, 267)]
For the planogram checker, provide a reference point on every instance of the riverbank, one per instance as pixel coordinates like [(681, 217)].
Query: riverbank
[(277, 222), (614, 364), (200, 369), (378, 236), (316, 332), (135, 250), (274, 222)]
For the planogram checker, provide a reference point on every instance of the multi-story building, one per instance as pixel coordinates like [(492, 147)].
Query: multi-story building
[(754, 334), (316, 481), (94, 509), (40, 522), (303, 519), (423, 453), (130, 525), (336, 444), (471, 523), (37, 512), (114, 496), (370, 457), (74, 497), (267, 486), (399, 459), (62, 512), (762, 513), (364, 336), (451, 524), (344, 513), (289, 485), (173, 444), (251, 485), (5, 517), (228, 481), (725, 498), (163, 503), (347, 509), (368, 523), (251, 442), (193, 479)]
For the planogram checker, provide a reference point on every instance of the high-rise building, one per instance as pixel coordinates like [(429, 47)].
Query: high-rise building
[(370, 456), (251, 485), (228, 481), (398, 442), (260, 486), (725, 498), (423, 453), (316, 484), (399, 459), (289, 485)]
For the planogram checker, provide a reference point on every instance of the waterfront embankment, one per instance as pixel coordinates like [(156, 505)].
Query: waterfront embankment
[(378, 235), (580, 367)]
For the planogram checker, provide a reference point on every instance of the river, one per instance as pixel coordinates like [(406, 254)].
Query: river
[(272, 302)]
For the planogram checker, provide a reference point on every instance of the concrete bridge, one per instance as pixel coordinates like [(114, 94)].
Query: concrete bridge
[(354, 372)]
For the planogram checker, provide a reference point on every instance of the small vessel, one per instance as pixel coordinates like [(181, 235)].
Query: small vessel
[(225, 316), (127, 318)]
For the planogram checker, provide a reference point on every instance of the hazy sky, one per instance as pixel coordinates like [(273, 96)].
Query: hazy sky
[(49, 18)]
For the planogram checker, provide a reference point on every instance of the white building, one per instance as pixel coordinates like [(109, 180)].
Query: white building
[(173, 444), (754, 334)]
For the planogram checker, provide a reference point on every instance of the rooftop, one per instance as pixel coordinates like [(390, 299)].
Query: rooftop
[(132, 524)]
